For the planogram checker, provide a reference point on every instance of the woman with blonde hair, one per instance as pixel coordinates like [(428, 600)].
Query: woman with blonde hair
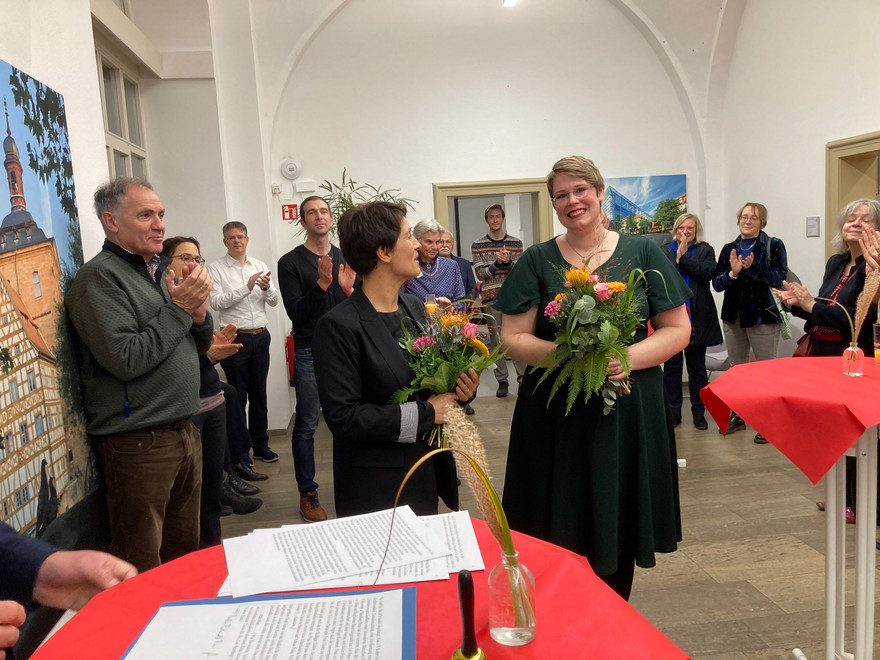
[(695, 261), (604, 486)]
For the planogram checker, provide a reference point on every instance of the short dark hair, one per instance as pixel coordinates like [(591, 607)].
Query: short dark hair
[(494, 207), (109, 195), (169, 245), (234, 225), (365, 228), (313, 198)]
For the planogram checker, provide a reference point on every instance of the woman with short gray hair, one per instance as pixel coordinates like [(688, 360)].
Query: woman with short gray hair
[(440, 277)]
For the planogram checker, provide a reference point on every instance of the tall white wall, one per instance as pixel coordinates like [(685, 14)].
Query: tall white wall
[(51, 41), (407, 94), (182, 129), (803, 73)]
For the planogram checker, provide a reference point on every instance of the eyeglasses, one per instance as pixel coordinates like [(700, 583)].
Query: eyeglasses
[(188, 259), (578, 193), (749, 218)]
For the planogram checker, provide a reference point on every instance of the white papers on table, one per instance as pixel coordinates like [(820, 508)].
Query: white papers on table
[(348, 551), (357, 624)]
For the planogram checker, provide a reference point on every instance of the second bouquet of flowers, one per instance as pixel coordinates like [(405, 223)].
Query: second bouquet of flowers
[(594, 321), (439, 351)]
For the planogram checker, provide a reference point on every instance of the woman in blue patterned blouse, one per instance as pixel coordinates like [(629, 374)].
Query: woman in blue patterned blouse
[(747, 269), (439, 276)]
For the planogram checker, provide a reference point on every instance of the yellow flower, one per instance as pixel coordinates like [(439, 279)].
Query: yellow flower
[(452, 318), (559, 297), (578, 276), (616, 287), (480, 346)]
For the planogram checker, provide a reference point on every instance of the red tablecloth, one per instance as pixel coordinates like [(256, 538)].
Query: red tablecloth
[(805, 407), (578, 616)]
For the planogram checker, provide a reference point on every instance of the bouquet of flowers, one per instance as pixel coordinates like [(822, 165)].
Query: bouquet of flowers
[(439, 351), (594, 320)]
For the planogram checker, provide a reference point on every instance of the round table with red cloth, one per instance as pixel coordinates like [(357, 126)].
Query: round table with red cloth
[(805, 407), (578, 616)]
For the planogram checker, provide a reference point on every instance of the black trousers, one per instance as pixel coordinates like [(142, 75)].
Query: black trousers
[(697, 379), (247, 371), (212, 426)]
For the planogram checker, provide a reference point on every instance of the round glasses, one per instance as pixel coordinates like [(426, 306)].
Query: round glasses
[(188, 259), (577, 193)]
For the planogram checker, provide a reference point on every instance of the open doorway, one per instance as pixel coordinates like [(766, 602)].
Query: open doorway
[(852, 171), (527, 205)]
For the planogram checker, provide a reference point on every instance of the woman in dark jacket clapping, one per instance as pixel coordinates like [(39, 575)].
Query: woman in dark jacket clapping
[(747, 268), (695, 260)]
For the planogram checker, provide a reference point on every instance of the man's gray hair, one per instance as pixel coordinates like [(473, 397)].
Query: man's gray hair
[(425, 226), (109, 195)]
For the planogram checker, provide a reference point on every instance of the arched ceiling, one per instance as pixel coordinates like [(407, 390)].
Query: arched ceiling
[(694, 43)]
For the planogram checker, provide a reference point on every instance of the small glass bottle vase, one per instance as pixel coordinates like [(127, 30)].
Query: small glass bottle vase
[(853, 361), (511, 602)]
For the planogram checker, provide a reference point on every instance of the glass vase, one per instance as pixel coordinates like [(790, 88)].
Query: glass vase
[(853, 361), (511, 602)]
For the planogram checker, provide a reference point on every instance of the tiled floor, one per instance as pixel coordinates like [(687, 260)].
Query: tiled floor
[(748, 579)]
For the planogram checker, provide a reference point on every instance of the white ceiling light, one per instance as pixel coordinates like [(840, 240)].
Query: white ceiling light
[(508, 3)]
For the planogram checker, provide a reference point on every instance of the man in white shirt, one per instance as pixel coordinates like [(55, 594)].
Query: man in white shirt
[(242, 289)]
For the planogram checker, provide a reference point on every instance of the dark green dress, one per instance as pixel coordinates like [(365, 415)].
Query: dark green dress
[(600, 485)]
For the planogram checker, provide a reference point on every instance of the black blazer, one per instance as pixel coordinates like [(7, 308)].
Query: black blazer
[(359, 366), (830, 315), (699, 266)]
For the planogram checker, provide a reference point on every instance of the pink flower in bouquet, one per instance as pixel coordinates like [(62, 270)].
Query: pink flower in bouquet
[(602, 291), (552, 309), (594, 278), (423, 342), (469, 330)]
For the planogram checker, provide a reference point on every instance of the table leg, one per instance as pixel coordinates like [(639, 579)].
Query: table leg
[(835, 559), (866, 520)]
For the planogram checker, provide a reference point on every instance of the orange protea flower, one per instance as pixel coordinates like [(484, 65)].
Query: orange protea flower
[(559, 297), (480, 346), (452, 317), (578, 276), (616, 287)]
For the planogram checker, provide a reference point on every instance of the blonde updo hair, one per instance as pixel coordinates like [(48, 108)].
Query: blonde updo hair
[(698, 232), (577, 166)]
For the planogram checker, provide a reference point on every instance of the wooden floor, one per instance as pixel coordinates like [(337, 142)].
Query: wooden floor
[(748, 579)]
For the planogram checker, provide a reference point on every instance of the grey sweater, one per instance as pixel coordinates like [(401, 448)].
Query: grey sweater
[(139, 352)]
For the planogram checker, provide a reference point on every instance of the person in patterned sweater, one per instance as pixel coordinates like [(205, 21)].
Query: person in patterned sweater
[(493, 256)]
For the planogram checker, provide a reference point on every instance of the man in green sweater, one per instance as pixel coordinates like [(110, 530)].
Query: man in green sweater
[(140, 327)]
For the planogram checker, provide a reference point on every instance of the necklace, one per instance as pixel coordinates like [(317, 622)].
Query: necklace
[(428, 270), (586, 258), (746, 245)]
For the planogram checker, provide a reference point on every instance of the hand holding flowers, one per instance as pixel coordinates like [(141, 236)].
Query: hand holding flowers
[(446, 359), (594, 321)]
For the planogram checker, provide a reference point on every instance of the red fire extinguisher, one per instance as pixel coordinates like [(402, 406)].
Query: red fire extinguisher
[(288, 354)]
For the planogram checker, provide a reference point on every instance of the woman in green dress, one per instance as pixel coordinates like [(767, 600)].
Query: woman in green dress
[(604, 486)]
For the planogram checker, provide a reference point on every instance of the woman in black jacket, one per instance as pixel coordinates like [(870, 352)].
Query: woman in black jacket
[(695, 260), (827, 326), (359, 365), (747, 268)]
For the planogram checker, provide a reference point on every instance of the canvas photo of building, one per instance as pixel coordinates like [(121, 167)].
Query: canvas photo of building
[(645, 204), (44, 458)]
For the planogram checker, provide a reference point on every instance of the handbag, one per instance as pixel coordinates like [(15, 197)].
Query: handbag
[(806, 346), (784, 316)]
